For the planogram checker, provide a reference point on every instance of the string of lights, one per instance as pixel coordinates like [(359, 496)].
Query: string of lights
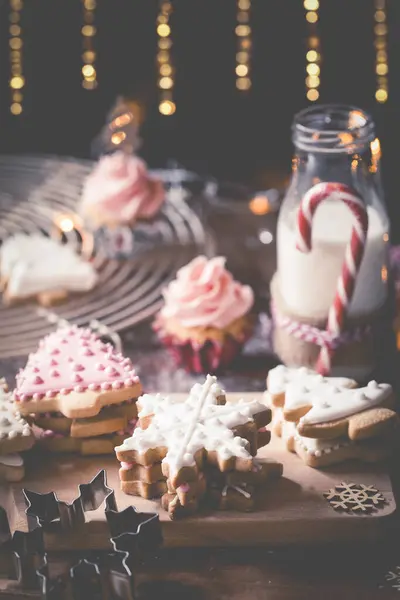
[(89, 74), (243, 54), (17, 80), (167, 106), (381, 56), (313, 56)]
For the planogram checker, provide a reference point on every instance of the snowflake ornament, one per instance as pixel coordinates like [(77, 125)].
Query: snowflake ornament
[(355, 498)]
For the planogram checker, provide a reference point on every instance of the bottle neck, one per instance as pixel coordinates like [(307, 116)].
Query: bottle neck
[(355, 170)]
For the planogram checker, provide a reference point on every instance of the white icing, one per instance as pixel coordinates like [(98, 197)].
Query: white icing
[(11, 460), (224, 491), (241, 491), (31, 264), (187, 427), (12, 424), (318, 447), (150, 402), (281, 377), (329, 405)]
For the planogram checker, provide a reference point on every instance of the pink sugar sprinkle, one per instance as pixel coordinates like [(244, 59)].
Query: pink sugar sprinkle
[(78, 367), (53, 363), (54, 351), (54, 373), (111, 371), (77, 378), (184, 487), (100, 367), (88, 352), (126, 466), (35, 370), (37, 380)]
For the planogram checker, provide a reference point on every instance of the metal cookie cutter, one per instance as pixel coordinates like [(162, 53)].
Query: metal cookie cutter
[(105, 575), (48, 512), (21, 553)]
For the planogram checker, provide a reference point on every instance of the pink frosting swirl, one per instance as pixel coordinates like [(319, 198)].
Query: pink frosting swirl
[(205, 294), (120, 190)]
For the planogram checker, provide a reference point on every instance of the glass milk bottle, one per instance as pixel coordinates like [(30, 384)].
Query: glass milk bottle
[(332, 144)]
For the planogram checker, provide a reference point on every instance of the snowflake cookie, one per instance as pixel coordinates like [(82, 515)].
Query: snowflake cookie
[(186, 436)]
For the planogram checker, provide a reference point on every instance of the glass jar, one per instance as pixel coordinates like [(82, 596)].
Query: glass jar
[(333, 144)]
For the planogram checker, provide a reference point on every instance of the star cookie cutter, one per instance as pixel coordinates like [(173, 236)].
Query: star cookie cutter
[(21, 553), (133, 535), (104, 575), (48, 512)]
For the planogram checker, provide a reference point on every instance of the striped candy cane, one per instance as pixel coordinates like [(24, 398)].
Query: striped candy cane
[(352, 260)]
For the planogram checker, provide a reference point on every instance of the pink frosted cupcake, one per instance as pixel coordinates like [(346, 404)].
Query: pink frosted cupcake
[(206, 317), (119, 192)]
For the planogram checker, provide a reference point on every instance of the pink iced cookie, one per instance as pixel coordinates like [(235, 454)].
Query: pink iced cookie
[(75, 373)]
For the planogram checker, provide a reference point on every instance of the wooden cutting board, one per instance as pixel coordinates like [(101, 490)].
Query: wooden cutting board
[(292, 509)]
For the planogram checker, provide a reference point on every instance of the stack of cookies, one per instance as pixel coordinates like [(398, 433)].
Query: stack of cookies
[(231, 490), (78, 393), (191, 451), (15, 436), (327, 420)]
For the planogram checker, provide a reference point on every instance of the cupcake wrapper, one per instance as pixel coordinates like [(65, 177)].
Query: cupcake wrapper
[(210, 356)]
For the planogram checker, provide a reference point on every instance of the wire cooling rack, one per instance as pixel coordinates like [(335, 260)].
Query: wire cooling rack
[(36, 194)]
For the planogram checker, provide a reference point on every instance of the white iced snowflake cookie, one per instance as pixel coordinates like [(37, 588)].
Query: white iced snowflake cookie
[(180, 432)]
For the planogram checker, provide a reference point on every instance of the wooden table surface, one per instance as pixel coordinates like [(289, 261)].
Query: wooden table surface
[(349, 572)]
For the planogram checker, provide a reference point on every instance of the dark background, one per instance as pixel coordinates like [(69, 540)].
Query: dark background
[(216, 129)]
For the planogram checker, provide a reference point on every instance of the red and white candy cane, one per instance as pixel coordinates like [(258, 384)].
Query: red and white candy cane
[(353, 257)]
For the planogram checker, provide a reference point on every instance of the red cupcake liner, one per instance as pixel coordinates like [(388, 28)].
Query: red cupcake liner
[(207, 357)]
